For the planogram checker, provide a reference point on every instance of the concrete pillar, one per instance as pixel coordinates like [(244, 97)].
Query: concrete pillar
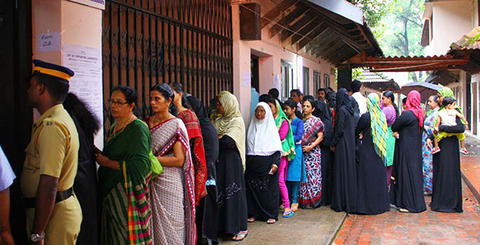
[(56, 23), (241, 67)]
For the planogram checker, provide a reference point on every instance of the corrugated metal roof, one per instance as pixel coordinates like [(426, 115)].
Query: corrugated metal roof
[(470, 40)]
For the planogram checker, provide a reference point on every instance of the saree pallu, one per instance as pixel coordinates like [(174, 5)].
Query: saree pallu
[(197, 152), (125, 211), (311, 188), (172, 222)]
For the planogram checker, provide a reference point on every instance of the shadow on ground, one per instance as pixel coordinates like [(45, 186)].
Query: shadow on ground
[(307, 226)]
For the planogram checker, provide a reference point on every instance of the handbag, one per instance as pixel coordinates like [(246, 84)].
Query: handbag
[(156, 166)]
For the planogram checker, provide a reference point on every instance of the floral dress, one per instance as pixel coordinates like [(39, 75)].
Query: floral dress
[(428, 125), (311, 188)]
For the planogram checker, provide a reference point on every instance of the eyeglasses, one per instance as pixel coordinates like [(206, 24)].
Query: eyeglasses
[(117, 102)]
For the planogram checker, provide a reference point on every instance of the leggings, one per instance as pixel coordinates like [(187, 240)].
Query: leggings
[(282, 177), (293, 190)]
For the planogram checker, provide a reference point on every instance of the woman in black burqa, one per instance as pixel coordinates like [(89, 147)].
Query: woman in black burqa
[(344, 196), (207, 215), (86, 181)]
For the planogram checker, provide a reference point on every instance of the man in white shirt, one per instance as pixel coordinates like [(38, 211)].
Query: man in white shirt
[(6, 179), (355, 93)]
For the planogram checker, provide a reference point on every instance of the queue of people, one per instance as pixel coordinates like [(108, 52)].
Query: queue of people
[(185, 176)]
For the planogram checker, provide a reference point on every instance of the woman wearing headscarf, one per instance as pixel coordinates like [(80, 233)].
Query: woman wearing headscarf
[(263, 157), (311, 189), (407, 175), (231, 161), (206, 215), (447, 183), (372, 185), (428, 126), (344, 196), (323, 112), (173, 195), (390, 110), (288, 154)]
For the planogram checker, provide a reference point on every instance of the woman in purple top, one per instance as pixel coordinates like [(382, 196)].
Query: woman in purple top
[(390, 110)]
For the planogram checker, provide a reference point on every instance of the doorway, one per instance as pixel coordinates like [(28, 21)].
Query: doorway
[(254, 70)]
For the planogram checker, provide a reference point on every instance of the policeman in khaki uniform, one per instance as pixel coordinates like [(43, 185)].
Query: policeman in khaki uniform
[(53, 213)]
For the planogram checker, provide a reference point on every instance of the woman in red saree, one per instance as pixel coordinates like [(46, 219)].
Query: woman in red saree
[(196, 140)]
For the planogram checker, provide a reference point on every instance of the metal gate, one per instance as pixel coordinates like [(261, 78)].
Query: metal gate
[(164, 41)]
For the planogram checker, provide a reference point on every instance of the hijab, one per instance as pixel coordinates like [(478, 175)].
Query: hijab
[(446, 92), (231, 123), (378, 125), (414, 105), (262, 135), (343, 99), (288, 143)]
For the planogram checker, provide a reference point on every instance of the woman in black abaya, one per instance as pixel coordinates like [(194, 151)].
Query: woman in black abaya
[(206, 218), (407, 175), (372, 186), (447, 182), (323, 112), (344, 196)]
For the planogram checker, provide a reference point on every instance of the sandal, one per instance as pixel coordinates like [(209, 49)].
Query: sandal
[(288, 214), (294, 207), (251, 219), (402, 210), (271, 221), (240, 236)]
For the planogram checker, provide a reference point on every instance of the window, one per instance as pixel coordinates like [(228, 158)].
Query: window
[(317, 81), (287, 80), (327, 80), (306, 81)]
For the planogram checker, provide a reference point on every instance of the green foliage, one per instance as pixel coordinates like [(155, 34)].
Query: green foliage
[(374, 10), (357, 74), (397, 26)]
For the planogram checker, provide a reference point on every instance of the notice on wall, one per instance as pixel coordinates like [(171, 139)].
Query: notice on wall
[(246, 79), (86, 62), (48, 42)]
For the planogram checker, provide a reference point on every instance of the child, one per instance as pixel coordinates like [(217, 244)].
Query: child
[(296, 169), (447, 117)]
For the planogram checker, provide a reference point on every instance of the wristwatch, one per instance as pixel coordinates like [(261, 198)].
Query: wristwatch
[(36, 237)]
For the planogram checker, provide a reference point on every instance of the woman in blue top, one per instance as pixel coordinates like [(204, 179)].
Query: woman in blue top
[(296, 168)]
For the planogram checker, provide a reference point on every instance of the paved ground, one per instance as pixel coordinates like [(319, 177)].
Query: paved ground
[(424, 228), (312, 226), (320, 225)]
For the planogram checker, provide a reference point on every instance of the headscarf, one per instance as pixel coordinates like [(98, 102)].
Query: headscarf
[(209, 133), (288, 143), (343, 99), (378, 125), (231, 123), (446, 92), (413, 105), (262, 135)]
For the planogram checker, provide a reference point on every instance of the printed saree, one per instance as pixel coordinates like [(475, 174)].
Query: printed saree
[(125, 210), (172, 222)]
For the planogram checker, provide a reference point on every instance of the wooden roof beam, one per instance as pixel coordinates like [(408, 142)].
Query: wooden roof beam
[(319, 30), (304, 32), (297, 12), (302, 22), (276, 11)]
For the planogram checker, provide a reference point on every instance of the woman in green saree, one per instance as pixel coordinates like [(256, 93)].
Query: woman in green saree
[(124, 174)]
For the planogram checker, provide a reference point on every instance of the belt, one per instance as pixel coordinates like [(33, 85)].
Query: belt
[(61, 195)]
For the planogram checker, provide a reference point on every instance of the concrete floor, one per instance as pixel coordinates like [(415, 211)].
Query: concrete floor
[(307, 226)]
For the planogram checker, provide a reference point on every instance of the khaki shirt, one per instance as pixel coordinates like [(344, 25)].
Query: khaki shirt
[(52, 151)]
